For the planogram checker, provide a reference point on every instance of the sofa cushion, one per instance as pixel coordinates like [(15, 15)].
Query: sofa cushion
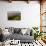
[(11, 29), (17, 30), (23, 30)]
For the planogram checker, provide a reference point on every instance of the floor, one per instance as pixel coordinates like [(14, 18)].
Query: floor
[(35, 43)]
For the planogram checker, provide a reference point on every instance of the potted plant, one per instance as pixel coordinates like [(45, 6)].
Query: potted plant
[(37, 33)]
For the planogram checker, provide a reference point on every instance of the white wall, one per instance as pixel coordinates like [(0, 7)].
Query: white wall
[(30, 14)]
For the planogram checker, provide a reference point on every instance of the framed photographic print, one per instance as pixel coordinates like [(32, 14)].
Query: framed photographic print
[(14, 15)]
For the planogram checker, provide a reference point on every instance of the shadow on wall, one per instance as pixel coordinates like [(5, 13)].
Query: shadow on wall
[(20, 0), (14, 0), (4, 0)]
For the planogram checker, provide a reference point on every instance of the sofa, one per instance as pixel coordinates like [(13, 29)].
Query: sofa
[(17, 34)]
